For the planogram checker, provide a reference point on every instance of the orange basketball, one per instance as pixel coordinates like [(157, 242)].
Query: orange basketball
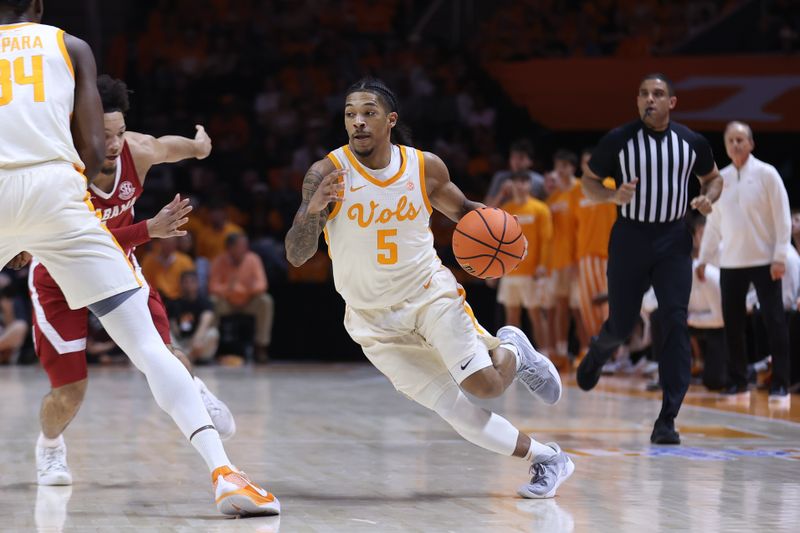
[(488, 242)]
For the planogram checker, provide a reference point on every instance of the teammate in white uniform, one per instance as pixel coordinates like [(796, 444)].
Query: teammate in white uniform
[(51, 130), (373, 199)]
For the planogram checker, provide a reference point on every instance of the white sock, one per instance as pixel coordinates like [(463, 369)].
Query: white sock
[(539, 452), (209, 445), (513, 349), (173, 388), (44, 442)]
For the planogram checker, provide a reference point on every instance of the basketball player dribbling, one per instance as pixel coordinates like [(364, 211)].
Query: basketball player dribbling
[(60, 332), (373, 200), (51, 130)]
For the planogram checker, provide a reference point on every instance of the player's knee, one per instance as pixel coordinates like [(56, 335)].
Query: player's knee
[(485, 383), (70, 395), (457, 410)]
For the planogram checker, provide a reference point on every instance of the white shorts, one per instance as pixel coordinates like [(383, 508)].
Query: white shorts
[(431, 338), (517, 291), (45, 211)]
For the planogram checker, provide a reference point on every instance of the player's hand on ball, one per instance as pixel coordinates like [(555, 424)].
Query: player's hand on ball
[(19, 261), (167, 222), (202, 142), (702, 204), (330, 190), (625, 193)]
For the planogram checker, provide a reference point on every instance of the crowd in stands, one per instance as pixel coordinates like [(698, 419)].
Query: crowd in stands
[(272, 110)]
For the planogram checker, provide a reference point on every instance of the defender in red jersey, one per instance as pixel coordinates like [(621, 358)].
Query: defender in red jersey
[(60, 332)]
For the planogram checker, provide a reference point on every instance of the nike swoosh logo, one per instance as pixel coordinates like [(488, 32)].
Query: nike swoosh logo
[(465, 365), (354, 189), (428, 284)]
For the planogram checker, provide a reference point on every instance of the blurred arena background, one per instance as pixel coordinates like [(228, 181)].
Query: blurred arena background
[(267, 80)]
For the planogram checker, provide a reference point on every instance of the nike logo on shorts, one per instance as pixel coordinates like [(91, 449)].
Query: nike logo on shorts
[(465, 365)]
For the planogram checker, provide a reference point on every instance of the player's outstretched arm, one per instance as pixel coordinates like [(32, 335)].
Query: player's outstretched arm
[(148, 150), (443, 194), (322, 186), (87, 116)]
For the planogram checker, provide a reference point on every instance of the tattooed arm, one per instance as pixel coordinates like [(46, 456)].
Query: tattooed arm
[(443, 193), (321, 187)]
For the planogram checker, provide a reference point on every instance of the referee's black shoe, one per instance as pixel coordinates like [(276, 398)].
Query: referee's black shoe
[(664, 433), (588, 373)]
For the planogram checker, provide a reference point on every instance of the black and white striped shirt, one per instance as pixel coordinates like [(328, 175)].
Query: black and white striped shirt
[(662, 160)]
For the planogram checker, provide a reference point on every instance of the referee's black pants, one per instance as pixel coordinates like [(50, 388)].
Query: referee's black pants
[(641, 254), (734, 283)]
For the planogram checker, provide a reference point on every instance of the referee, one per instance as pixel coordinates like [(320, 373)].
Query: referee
[(651, 161)]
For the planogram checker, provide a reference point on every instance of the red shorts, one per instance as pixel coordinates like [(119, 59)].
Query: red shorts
[(59, 333)]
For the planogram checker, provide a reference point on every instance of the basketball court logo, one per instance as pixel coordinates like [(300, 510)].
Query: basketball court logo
[(126, 190)]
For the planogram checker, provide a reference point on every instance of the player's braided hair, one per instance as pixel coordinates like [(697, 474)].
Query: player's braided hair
[(18, 6), (401, 134), (113, 93)]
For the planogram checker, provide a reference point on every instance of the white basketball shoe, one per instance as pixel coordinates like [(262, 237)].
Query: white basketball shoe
[(51, 463), (536, 371), (236, 495), (548, 475)]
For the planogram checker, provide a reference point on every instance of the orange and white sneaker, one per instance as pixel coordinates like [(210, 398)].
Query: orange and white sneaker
[(236, 495)]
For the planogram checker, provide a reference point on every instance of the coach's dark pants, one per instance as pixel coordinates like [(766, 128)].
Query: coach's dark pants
[(658, 254), (734, 283)]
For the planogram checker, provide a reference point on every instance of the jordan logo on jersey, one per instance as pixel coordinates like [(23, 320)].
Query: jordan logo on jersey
[(404, 210), (126, 190)]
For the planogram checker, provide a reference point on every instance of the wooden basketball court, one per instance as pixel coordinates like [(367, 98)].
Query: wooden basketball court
[(345, 452)]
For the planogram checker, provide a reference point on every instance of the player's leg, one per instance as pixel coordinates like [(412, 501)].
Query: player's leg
[(59, 335), (508, 295), (628, 280), (561, 284), (672, 281), (547, 302), (418, 372), (92, 270), (448, 324), (538, 317), (550, 466), (262, 307), (220, 414)]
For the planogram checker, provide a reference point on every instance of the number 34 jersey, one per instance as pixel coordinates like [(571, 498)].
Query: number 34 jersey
[(379, 236), (37, 87)]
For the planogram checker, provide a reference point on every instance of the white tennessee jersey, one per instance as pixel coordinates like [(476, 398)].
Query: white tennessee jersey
[(37, 92), (379, 236)]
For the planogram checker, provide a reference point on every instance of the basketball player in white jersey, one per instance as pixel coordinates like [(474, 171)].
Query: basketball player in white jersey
[(51, 131), (60, 332), (373, 200)]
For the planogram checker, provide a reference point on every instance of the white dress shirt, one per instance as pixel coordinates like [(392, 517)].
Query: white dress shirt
[(751, 219)]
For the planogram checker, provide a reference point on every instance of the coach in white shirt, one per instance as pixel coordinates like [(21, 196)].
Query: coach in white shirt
[(752, 221)]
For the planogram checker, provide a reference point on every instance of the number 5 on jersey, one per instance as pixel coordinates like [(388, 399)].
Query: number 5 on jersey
[(11, 73), (387, 251)]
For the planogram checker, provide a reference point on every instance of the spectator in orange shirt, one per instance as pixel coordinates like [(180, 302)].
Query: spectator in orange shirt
[(211, 237), (518, 288), (563, 203), (163, 266), (594, 231), (238, 285)]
